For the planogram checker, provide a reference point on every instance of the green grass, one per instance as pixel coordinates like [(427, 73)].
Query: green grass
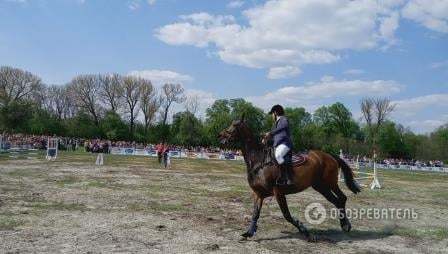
[(9, 223), (438, 233), (67, 180), (59, 206), (156, 207), (97, 184), (25, 173)]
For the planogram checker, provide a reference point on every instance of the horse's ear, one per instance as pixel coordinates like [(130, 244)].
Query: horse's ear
[(243, 117)]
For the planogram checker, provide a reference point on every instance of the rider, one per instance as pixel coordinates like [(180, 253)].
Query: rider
[(282, 143)]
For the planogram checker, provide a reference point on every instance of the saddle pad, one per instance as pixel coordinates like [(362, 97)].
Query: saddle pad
[(299, 159)]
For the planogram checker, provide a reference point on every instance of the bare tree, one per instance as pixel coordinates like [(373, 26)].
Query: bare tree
[(16, 84), (131, 94), (367, 110), (192, 104), (375, 112), (71, 108), (149, 102), (171, 93), (57, 100), (383, 108), (84, 89), (41, 97), (111, 90)]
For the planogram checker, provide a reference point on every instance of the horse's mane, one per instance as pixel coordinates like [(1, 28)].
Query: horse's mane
[(254, 137)]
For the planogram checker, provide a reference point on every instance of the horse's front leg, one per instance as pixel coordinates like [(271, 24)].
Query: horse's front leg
[(258, 203), (283, 204)]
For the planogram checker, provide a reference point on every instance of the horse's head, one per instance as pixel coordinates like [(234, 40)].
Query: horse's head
[(234, 132), (230, 133)]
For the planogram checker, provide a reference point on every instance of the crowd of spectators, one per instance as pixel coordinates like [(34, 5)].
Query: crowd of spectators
[(418, 163), (23, 141), (393, 162), (94, 145)]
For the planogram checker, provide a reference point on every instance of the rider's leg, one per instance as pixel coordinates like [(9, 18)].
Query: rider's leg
[(285, 165), (280, 152)]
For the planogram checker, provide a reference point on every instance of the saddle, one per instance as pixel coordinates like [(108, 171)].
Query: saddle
[(297, 159)]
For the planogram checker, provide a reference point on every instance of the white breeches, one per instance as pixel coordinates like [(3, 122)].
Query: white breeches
[(280, 152)]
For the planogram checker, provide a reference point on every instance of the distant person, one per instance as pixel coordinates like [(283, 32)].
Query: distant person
[(166, 156), (159, 150)]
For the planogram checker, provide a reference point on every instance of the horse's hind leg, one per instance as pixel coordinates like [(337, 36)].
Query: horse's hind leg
[(258, 203), (338, 199), (345, 223), (281, 200)]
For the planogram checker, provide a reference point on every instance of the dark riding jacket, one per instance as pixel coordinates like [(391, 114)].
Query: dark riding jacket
[(280, 132)]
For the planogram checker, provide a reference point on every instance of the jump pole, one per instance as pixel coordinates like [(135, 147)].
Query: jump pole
[(375, 183), (341, 155)]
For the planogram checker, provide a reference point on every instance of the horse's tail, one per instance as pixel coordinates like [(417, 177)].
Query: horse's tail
[(348, 175)]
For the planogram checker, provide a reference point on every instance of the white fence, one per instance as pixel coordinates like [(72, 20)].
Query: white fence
[(398, 167), (413, 168)]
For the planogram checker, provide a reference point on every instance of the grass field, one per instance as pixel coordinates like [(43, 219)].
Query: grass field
[(131, 204)]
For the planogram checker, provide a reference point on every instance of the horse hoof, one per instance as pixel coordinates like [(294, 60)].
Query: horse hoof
[(346, 227), (312, 239), (247, 235)]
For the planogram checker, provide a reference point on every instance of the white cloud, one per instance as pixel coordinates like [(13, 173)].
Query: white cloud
[(422, 113), (137, 4), (388, 27), (432, 14), (313, 93), (161, 77), (438, 65), (198, 29), (235, 4), (283, 72), (16, 1), (426, 126), (205, 98), (354, 72), (413, 106), (289, 32), (134, 5)]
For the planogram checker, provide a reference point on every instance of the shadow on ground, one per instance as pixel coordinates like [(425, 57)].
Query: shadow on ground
[(331, 236)]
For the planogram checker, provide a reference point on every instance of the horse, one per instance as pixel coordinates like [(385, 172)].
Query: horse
[(320, 171)]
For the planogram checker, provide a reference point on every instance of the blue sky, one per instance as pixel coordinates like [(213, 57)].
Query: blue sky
[(297, 53)]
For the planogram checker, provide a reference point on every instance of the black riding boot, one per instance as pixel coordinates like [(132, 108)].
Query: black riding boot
[(285, 173)]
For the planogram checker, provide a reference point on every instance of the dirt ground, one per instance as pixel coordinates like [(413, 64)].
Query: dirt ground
[(132, 205)]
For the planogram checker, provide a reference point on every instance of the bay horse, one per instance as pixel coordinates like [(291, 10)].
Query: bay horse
[(320, 171)]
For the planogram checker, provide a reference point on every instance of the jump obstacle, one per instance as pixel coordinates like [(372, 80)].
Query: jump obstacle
[(363, 177), (52, 149)]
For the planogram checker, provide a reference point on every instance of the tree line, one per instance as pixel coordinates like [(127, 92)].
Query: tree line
[(117, 107)]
